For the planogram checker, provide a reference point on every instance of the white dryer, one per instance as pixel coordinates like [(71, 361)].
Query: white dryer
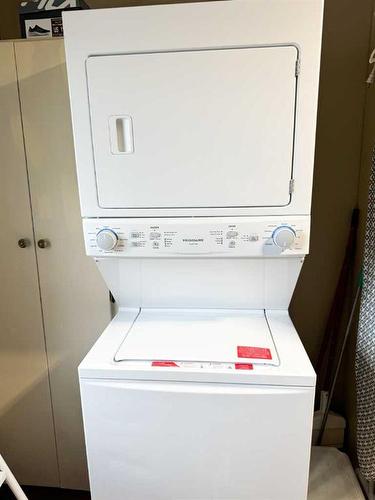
[(194, 129)]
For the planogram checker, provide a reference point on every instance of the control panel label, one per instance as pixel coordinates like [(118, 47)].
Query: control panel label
[(249, 237)]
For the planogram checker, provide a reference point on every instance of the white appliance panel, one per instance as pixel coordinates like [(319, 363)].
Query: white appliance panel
[(294, 370), (134, 36), (191, 441), (202, 283), (192, 129), (203, 237), (223, 336)]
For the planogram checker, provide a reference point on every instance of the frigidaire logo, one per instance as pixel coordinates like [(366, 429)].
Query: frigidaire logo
[(189, 240)]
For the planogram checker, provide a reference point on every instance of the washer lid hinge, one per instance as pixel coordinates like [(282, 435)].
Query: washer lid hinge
[(298, 67)]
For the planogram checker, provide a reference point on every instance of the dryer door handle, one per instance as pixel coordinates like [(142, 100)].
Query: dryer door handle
[(121, 135)]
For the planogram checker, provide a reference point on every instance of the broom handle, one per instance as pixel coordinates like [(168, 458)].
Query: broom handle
[(338, 366)]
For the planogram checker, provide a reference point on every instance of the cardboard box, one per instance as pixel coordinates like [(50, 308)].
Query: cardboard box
[(43, 19), (334, 432)]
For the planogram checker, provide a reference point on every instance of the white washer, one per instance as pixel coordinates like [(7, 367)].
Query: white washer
[(188, 404), (194, 129)]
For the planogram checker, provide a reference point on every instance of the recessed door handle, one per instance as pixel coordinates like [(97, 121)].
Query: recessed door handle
[(23, 242), (43, 243), (121, 135)]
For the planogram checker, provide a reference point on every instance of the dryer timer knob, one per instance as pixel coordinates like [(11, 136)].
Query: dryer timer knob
[(106, 239), (284, 237)]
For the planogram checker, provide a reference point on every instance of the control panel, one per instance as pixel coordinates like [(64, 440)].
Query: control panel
[(220, 237)]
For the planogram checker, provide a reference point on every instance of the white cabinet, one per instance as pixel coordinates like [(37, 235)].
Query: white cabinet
[(54, 303)]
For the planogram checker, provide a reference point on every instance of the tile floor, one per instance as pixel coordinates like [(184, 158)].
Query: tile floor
[(331, 478)]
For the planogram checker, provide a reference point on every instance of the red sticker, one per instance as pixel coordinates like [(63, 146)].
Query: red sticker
[(164, 363), (253, 352), (243, 366)]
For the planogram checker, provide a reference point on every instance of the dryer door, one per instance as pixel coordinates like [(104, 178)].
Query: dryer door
[(201, 128)]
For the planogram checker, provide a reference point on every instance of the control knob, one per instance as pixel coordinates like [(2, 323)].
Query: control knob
[(106, 239), (284, 237)]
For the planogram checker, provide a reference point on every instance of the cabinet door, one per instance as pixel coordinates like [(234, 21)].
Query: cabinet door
[(27, 439), (74, 297)]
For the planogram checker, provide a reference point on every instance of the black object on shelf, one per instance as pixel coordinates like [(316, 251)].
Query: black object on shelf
[(43, 18)]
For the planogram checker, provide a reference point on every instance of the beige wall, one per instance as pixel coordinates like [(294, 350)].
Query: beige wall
[(338, 178), (9, 24), (347, 25)]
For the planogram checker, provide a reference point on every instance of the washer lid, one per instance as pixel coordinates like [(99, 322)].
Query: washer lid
[(174, 337)]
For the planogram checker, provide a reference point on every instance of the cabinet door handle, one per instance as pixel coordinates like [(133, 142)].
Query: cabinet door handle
[(43, 243), (23, 242)]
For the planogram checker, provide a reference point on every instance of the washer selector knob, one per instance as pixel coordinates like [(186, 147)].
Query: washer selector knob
[(284, 237), (106, 239)]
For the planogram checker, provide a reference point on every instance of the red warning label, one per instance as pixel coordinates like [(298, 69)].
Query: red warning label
[(243, 366), (253, 352), (164, 363)]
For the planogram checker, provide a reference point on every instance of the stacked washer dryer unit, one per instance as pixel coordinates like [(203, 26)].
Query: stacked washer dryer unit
[(194, 129)]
